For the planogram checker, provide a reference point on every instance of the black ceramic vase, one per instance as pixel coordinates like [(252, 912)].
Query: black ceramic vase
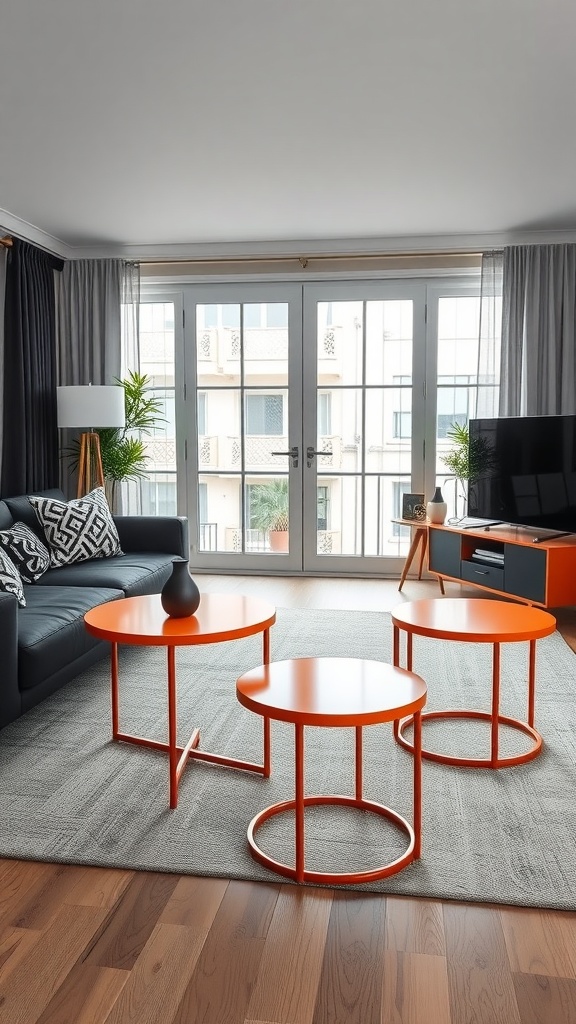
[(180, 595)]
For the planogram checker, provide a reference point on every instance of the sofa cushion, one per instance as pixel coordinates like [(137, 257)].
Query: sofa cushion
[(22, 511), (79, 529), (10, 580), (30, 556), (135, 573), (6, 517), (51, 630)]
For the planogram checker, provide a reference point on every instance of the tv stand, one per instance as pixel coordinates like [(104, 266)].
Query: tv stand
[(551, 536), (505, 561)]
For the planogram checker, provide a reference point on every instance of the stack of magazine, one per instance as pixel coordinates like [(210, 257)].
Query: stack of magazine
[(488, 556)]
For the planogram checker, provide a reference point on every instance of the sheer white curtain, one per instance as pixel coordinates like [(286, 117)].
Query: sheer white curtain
[(489, 348), (131, 490), (539, 330)]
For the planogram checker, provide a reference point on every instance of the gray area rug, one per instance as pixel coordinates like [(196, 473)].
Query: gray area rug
[(69, 794)]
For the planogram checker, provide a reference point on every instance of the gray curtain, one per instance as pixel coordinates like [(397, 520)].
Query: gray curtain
[(96, 305), (3, 253), (88, 322), (538, 368)]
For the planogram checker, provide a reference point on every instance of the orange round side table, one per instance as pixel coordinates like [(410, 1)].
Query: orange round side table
[(143, 622), (333, 693), (480, 621)]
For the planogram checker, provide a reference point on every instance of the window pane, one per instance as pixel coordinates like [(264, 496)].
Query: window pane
[(264, 414)]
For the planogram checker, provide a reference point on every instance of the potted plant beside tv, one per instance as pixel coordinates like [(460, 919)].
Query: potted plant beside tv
[(467, 460), (269, 512)]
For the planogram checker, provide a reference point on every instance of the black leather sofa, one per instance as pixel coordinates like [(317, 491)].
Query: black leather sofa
[(45, 645)]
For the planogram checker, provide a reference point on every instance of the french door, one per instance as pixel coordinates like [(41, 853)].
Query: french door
[(303, 413)]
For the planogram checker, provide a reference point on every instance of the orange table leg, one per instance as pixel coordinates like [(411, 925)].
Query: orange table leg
[(266, 721), (114, 685), (417, 785), (396, 646), (495, 705), (299, 800), (298, 871), (358, 764), (178, 756), (234, 762), (172, 751), (532, 683), (494, 717)]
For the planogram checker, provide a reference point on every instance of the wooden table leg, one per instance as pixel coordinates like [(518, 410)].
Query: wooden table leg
[(423, 551), (419, 538)]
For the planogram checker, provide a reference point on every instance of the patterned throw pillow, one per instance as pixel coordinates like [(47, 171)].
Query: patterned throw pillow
[(30, 556), (10, 578), (79, 529)]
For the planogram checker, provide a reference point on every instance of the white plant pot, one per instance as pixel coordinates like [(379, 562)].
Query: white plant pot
[(436, 512)]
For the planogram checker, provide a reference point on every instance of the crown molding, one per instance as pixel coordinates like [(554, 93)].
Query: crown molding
[(184, 251), (400, 244), (11, 225)]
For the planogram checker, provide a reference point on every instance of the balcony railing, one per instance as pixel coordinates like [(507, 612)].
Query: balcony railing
[(224, 452), (221, 347)]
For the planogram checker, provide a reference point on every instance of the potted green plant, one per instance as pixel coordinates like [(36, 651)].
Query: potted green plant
[(122, 449), (269, 505), (467, 460)]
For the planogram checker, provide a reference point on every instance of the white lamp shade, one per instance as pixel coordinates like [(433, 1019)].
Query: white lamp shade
[(89, 406)]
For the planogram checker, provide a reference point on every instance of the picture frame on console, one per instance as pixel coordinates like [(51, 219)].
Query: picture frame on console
[(413, 507)]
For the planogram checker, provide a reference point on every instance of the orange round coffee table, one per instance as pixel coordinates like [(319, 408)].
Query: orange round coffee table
[(481, 621), (143, 622), (333, 693)]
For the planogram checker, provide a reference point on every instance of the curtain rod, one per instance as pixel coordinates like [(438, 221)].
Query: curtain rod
[(304, 260), (7, 242)]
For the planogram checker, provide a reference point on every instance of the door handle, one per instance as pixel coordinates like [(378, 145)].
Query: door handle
[(310, 453), (293, 453)]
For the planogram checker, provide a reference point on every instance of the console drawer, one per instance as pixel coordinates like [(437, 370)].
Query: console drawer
[(486, 575)]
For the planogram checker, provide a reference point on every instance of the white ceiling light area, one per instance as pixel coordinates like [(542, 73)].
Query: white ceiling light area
[(216, 126)]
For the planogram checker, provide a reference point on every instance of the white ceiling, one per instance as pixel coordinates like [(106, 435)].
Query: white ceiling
[(139, 127)]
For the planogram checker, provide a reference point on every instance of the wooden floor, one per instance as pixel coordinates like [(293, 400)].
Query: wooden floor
[(98, 946)]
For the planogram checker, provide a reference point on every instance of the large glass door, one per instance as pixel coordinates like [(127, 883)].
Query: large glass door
[(243, 373), (298, 416), (364, 366)]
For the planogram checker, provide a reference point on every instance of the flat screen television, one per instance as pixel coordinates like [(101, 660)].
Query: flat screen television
[(527, 471)]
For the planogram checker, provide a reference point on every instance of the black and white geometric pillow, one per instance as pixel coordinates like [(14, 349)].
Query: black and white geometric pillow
[(10, 580), (30, 556), (79, 529)]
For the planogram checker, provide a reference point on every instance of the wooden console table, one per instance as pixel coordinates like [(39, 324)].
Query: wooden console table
[(419, 541)]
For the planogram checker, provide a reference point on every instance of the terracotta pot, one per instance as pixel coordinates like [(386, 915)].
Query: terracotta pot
[(278, 540)]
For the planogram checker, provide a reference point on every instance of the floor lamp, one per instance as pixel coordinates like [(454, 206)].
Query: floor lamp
[(86, 407)]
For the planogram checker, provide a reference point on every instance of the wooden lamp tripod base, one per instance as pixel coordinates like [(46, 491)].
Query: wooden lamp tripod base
[(90, 472)]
